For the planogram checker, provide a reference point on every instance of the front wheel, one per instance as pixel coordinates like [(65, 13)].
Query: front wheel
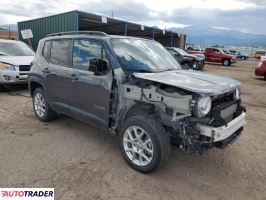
[(186, 66), (40, 106), (1, 88), (144, 143), (226, 62)]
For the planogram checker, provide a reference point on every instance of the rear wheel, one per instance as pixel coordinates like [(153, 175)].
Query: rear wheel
[(40, 106), (265, 77), (243, 58), (144, 143), (226, 62)]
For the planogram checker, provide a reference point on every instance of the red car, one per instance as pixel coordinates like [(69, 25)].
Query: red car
[(261, 69), (219, 56)]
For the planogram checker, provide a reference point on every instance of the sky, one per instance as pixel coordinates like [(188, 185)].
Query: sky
[(245, 15)]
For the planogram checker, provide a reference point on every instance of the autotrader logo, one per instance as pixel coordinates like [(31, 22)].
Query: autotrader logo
[(26, 193)]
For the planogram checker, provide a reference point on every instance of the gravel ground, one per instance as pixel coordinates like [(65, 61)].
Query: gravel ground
[(82, 162)]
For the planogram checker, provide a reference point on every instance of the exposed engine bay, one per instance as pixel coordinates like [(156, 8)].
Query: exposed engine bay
[(178, 110)]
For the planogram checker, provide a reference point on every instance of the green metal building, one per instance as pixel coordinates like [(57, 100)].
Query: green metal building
[(79, 21)]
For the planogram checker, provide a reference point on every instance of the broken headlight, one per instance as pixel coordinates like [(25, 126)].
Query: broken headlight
[(203, 106)]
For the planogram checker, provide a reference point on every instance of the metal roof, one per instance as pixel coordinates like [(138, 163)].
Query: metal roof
[(83, 21)]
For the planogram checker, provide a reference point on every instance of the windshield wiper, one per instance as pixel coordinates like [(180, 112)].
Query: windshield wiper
[(139, 70), (166, 70)]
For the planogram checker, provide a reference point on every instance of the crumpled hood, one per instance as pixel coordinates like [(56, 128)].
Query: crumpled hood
[(201, 83), (17, 60)]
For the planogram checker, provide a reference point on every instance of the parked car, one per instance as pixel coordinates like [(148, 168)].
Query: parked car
[(258, 54), (226, 51), (197, 52), (133, 88), (217, 55), (261, 69), (262, 58), (15, 59), (238, 54), (242, 56), (187, 61)]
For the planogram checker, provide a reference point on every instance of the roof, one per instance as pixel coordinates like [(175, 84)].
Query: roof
[(90, 21), (82, 21), (69, 36), (117, 26)]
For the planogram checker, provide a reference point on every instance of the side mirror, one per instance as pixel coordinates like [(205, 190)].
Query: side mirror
[(98, 66)]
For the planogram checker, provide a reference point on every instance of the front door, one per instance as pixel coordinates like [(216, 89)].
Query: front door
[(89, 96)]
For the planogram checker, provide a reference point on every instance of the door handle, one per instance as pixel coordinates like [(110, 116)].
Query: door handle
[(46, 70)]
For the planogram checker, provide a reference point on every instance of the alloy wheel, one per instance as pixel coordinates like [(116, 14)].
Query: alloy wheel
[(138, 146), (39, 104)]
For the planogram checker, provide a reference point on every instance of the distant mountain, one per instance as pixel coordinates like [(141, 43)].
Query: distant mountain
[(204, 34), (12, 27)]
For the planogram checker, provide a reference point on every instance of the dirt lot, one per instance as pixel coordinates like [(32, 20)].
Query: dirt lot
[(81, 162)]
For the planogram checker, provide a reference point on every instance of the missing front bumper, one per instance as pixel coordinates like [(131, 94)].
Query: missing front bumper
[(223, 132)]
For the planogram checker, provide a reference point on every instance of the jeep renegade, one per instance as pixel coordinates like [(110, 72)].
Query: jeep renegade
[(133, 88)]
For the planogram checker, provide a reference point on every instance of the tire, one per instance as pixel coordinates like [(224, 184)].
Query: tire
[(186, 66), (265, 77), (243, 58), (152, 142), (226, 62), (40, 106), (1, 88)]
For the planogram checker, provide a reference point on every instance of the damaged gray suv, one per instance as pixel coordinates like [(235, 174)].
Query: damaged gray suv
[(134, 89)]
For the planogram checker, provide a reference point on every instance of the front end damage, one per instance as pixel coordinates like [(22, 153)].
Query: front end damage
[(176, 108)]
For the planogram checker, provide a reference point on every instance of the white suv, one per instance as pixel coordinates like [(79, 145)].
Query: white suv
[(15, 59)]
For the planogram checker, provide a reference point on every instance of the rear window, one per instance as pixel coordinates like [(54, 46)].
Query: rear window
[(45, 52), (60, 52)]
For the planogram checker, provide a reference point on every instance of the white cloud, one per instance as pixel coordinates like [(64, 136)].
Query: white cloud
[(170, 5), (161, 13), (162, 24)]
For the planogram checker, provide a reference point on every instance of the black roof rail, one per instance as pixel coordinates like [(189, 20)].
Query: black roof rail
[(78, 32)]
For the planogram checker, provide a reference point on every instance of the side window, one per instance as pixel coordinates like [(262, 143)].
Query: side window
[(208, 50), (46, 48), (90, 56), (60, 52), (216, 51)]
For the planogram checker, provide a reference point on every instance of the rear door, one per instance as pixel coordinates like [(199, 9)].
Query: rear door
[(89, 96), (55, 74)]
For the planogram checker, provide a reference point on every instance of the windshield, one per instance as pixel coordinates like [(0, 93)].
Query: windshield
[(15, 49), (143, 55), (182, 52), (225, 51)]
